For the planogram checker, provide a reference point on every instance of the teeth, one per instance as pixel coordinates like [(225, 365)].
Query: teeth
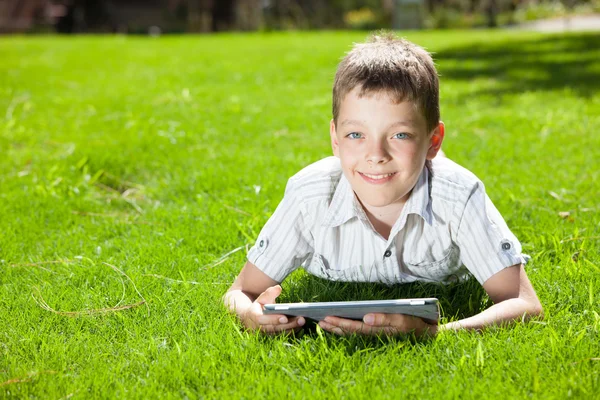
[(376, 177)]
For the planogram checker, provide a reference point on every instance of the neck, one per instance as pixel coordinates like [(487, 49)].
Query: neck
[(383, 218)]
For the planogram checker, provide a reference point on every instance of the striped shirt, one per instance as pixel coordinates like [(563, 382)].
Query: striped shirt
[(447, 230)]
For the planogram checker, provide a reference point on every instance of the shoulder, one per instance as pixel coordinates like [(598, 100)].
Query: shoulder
[(316, 181), (450, 179)]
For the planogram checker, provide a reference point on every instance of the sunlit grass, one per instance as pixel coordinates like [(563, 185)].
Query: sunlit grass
[(164, 157)]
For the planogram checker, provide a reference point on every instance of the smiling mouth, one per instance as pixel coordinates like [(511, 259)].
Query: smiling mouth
[(377, 178)]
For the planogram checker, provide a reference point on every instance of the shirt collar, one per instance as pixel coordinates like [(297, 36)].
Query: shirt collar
[(419, 203), (345, 206)]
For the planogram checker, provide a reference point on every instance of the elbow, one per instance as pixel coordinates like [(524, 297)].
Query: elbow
[(536, 310), (531, 309)]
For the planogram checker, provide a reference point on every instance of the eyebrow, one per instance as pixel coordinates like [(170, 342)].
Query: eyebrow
[(407, 123), (350, 122)]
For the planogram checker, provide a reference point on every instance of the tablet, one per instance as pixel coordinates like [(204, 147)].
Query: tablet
[(427, 309)]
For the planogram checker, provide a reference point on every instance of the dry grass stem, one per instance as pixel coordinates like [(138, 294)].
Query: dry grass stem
[(93, 214), (42, 262), (173, 280), (42, 303), (133, 204), (133, 283), (69, 395), (587, 359), (27, 378), (125, 196), (15, 380), (123, 181), (39, 299), (579, 238), (122, 218), (223, 258), (130, 192), (39, 264), (108, 188), (123, 293), (237, 210), (180, 281)]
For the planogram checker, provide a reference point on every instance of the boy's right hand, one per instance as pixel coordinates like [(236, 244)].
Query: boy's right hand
[(255, 319)]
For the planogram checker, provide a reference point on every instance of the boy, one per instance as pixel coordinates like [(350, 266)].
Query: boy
[(385, 209)]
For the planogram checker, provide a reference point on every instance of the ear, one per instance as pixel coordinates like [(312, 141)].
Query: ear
[(334, 141), (435, 141)]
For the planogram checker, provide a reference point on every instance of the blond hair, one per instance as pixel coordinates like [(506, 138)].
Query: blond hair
[(387, 63)]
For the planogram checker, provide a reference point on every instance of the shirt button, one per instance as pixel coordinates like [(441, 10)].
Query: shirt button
[(506, 246), (387, 253), (262, 243)]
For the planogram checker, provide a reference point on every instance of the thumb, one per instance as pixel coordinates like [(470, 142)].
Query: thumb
[(269, 295)]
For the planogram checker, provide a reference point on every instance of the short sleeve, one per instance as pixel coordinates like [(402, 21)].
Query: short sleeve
[(285, 242), (486, 244)]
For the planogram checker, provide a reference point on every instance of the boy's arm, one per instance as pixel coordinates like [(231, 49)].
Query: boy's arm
[(514, 298), (509, 289), (250, 291)]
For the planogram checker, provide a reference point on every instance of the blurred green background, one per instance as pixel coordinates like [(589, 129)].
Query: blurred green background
[(177, 16)]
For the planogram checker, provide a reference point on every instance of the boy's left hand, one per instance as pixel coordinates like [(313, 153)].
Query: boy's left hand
[(377, 323)]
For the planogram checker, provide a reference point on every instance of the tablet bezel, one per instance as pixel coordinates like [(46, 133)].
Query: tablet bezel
[(426, 308)]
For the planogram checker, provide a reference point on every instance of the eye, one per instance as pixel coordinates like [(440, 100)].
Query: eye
[(401, 135), (354, 135)]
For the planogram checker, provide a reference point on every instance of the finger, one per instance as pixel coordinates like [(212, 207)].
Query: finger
[(276, 319), (269, 295), (272, 319), (291, 322), (279, 328), (396, 320), (332, 328), (348, 326), (378, 319), (363, 330), (396, 323)]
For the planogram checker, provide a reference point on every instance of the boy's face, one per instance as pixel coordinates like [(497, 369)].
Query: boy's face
[(382, 147)]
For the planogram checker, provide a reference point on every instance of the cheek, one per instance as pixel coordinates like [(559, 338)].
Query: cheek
[(406, 151), (348, 153)]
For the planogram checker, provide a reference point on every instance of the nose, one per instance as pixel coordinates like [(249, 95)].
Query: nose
[(377, 152)]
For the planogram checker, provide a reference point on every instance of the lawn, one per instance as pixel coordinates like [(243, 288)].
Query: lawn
[(136, 172)]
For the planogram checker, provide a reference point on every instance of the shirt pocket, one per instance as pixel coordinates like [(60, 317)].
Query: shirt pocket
[(437, 270)]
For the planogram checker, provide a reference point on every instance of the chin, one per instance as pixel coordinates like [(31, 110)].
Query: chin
[(374, 201)]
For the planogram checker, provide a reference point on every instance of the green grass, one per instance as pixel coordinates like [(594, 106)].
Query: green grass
[(148, 155)]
